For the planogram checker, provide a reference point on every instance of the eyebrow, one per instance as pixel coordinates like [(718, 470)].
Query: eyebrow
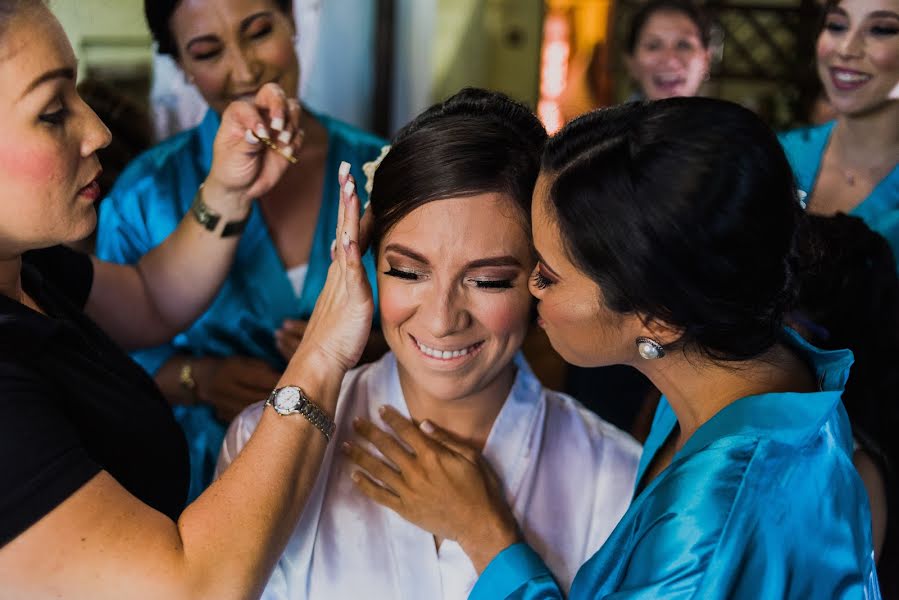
[(493, 261), (61, 73), (244, 25), (880, 14)]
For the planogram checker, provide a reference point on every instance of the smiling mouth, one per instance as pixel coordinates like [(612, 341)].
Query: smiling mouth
[(845, 79), (668, 81), (447, 354)]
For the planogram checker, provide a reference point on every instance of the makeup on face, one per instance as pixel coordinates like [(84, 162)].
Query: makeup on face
[(669, 58), (452, 286), (858, 54)]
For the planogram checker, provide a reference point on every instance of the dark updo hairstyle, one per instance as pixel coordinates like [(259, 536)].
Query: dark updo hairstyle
[(475, 142), (159, 17), (684, 7), (682, 211)]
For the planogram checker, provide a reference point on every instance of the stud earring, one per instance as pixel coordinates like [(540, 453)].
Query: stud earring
[(649, 349)]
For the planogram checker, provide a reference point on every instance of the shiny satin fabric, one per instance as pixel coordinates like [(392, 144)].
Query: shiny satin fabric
[(880, 210), (761, 502), (146, 204)]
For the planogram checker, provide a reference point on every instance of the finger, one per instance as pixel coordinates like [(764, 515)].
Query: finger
[(376, 492), (244, 126), (374, 467), (405, 430), (272, 100), (385, 443), (343, 172), (444, 437), (350, 221), (338, 228), (366, 228)]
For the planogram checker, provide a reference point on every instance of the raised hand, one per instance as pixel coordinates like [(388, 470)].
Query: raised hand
[(244, 167), (341, 321), (436, 482)]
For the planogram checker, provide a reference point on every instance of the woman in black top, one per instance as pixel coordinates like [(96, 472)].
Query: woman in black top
[(93, 470)]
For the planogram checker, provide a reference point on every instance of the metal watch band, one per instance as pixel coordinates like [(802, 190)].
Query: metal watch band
[(209, 219), (312, 413)]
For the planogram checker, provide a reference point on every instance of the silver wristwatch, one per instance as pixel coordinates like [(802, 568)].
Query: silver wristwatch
[(290, 399)]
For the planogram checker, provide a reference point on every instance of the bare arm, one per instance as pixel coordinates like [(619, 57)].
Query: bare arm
[(148, 303), (102, 542)]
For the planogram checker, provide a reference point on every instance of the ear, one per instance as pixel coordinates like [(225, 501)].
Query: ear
[(660, 331)]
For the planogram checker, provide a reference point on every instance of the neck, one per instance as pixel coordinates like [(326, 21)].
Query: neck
[(698, 389), (869, 138), (11, 277), (469, 418)]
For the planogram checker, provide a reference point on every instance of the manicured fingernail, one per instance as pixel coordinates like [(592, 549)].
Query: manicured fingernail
[(333, 248), (365, 207), (344, 169), (382, 411), (357, 422), (346, 447), (284, 137), (277, 123), (427, 427), (287, 152), (346, 240), (349, 188), (248, 135), (355, 476), (261, 131)]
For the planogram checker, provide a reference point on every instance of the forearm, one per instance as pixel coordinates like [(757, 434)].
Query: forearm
[(236, 536), (182, 275)]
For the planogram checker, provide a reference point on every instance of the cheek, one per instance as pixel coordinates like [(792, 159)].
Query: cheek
[(506, 314), (396, 301), (208, 81), (30, 166), (824, 47), (886, 58)]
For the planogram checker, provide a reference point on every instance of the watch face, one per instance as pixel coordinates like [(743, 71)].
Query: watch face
[(287, 400)]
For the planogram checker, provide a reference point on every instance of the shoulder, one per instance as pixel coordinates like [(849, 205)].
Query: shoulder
[(805, 139)]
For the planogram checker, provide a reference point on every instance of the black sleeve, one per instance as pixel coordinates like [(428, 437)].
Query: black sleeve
[(70, 271), (42, 461)]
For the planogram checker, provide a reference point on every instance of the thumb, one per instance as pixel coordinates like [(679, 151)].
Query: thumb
[(448, 440)]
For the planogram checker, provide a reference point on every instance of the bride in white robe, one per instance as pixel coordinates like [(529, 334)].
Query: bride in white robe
[(453, 258)]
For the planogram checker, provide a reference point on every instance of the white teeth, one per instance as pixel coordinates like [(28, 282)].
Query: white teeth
[(851, 77), (443, 354)]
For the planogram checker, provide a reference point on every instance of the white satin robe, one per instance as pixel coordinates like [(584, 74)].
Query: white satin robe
[(567, 474)]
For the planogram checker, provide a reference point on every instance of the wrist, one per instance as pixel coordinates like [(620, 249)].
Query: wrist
[(318, 374), (229, 202), (485, 544)]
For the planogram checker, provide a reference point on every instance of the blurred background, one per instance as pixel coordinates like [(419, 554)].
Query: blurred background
[(376, 63)]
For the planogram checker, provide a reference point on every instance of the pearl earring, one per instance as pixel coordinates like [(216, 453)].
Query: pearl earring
[(649, 349)]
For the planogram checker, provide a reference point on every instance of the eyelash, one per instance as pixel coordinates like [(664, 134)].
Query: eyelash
[(540, 281), (877, 30), (55, 118), (490, 284)]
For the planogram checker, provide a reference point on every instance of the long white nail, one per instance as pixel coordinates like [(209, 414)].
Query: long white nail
[(344, 169), (333, 248), (252, 139), (346, 240), (288, 151), (284, 137), (367, 204), (349, 188), (277, 123), (427, 427), (262, 132)]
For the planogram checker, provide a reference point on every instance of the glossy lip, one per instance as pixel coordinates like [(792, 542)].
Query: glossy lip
[(92, 190), (448, 363), (845, 86)]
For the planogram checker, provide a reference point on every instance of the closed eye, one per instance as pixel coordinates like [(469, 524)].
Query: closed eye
[(493, 284), (57, 117), (407, 275)]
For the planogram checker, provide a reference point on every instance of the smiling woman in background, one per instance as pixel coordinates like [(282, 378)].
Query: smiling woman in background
[(667, 49), (851, 165), (231, 356)]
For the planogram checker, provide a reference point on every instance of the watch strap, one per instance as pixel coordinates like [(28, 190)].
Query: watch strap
[(209, 219), (310, 411)]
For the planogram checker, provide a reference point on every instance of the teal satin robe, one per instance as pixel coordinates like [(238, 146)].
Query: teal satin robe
[(148, 202), (761, 502), (880, 210)]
